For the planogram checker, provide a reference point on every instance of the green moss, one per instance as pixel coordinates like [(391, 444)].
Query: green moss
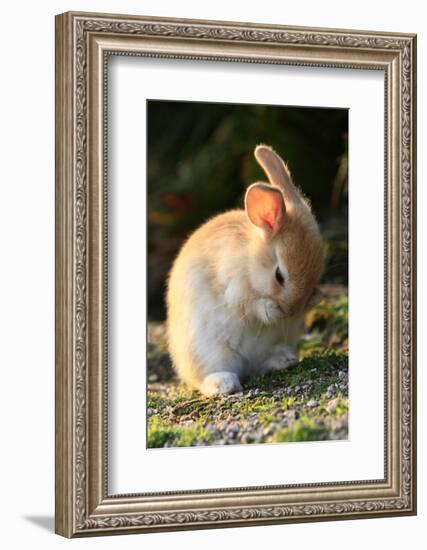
[(160, 433), (156, 401), (318, 371), (248, 406), (193, 434), (305, 429)]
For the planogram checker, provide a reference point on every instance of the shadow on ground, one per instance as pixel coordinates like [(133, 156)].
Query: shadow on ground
[(44, 522)]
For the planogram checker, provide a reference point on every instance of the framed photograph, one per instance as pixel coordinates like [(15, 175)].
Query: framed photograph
[(235, 274)]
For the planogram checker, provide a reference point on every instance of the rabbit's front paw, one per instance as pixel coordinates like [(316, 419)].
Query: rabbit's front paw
[(268, 311), (220, 382), (283, 358)]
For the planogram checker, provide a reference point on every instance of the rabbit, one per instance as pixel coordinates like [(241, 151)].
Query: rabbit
[(241, 284)]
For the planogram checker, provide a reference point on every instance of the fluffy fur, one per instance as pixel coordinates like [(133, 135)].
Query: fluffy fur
[(229, 317)]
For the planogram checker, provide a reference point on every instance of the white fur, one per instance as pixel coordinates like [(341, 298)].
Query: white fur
[(228, 348), (282, 357), (220, 382)]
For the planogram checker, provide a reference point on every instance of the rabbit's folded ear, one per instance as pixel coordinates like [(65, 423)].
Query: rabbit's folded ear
[(265, 207), (277, 172)]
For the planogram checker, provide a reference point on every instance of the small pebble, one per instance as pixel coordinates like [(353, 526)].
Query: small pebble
[(331, 407), (291, 414), (234, 398), (231, 420), (233, 430)]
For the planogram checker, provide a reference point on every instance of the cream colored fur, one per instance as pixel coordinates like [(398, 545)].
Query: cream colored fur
[(228, 316)]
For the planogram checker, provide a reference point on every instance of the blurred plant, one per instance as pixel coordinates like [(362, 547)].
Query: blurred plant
[(339, 193), (327, 325), (200, 161)]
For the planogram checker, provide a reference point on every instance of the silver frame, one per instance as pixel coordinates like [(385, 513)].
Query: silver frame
[(83, 43)]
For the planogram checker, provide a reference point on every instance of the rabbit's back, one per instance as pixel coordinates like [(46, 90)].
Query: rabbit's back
[(204, 273)]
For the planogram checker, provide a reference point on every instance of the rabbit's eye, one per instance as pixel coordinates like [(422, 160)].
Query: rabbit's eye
[(279, 277)]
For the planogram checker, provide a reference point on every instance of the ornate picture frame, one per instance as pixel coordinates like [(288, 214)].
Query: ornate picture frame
[(84, 506)]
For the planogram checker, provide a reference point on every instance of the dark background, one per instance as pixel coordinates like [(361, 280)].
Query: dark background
[(200, 161)]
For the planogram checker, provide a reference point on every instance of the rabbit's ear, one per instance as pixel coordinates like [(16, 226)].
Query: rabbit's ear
[(265, 207), (277, 172)]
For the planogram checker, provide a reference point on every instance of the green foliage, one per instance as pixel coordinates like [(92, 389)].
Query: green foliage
[(205, 158)]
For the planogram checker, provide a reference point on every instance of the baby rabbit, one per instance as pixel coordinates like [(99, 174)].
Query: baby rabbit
[(240, 286)]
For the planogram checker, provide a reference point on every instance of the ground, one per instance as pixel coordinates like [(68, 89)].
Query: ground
[(305, 403)]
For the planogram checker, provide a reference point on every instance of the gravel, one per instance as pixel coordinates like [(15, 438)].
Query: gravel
[(260, 413), (228, 419)]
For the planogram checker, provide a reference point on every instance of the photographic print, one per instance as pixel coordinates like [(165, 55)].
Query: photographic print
[(247, 274)]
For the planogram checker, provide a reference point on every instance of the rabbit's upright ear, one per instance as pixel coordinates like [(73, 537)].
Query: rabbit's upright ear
[(265, 207), (277, 172)]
